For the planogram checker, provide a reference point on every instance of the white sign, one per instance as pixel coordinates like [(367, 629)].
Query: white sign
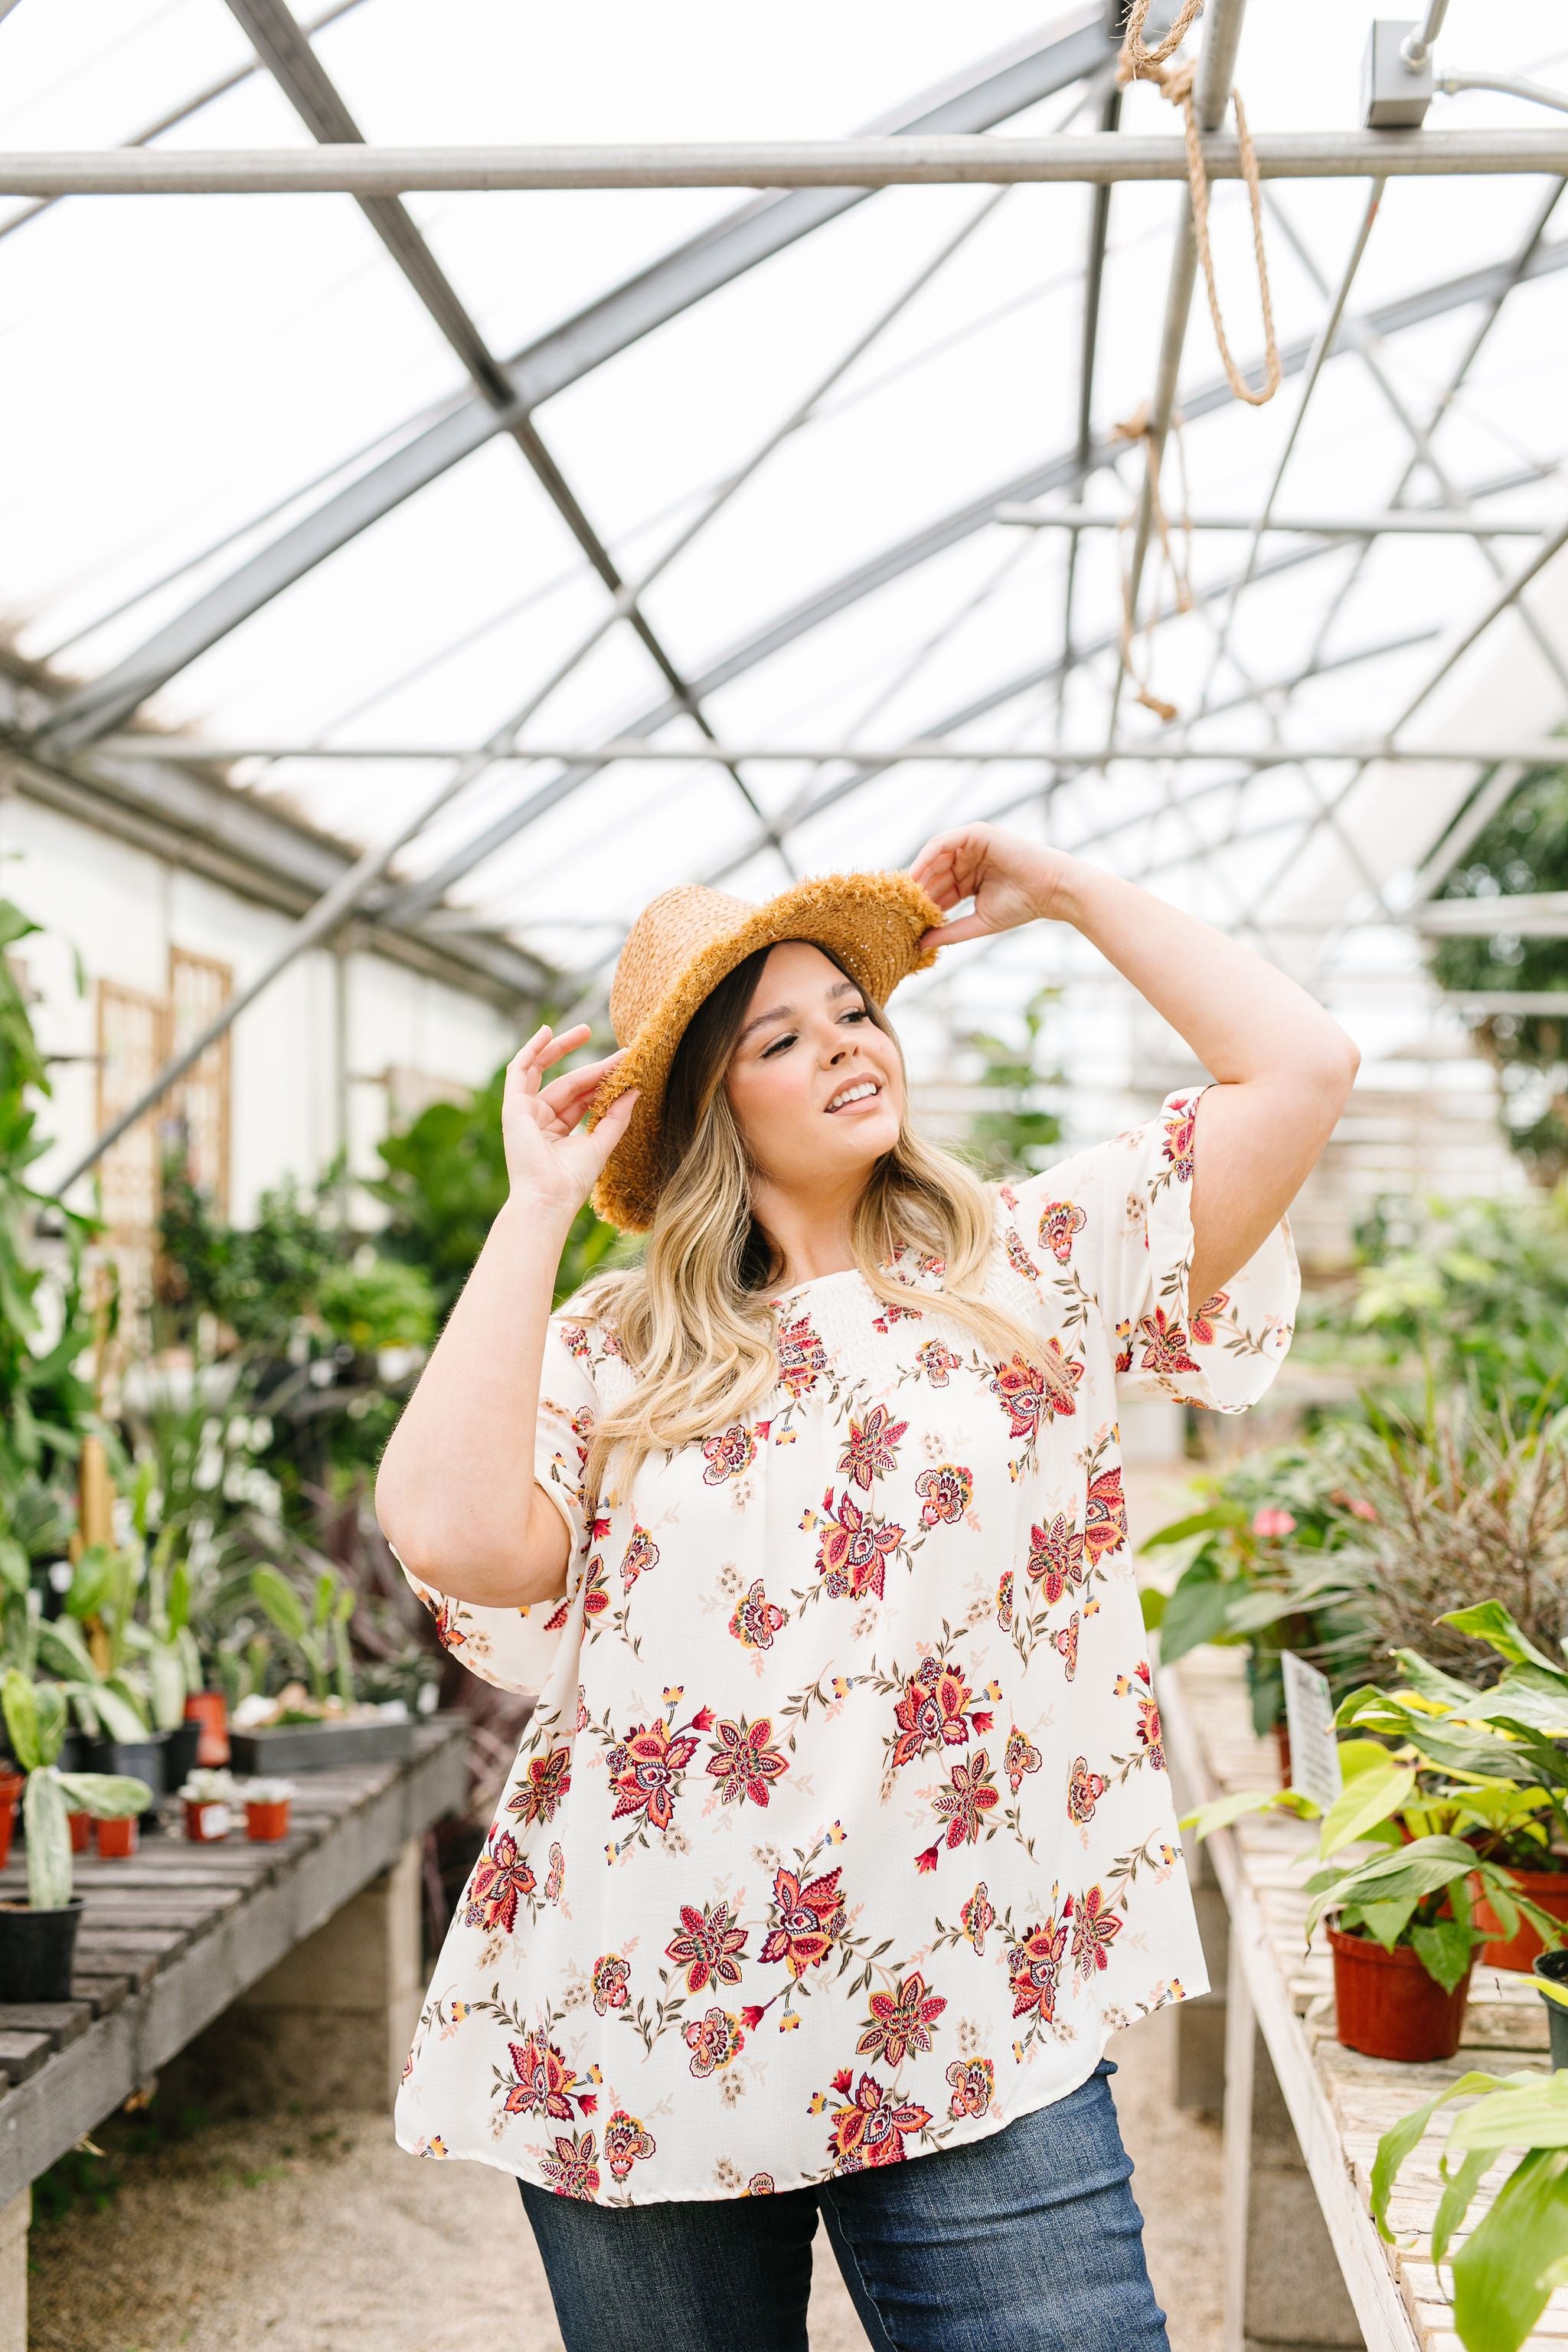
[(1309, 1718)]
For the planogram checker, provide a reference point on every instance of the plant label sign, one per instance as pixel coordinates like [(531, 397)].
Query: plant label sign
[(1310, 1718)]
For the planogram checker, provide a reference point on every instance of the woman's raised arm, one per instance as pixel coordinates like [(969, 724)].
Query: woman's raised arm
[(456, 1493), (1284, 1066)]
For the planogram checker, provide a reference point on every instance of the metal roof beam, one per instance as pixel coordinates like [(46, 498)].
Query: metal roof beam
[(893, 562), (966, 160), (568, 353)]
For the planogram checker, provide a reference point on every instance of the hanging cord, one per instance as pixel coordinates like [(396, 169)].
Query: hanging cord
[(1136, 62), (1136, 428)]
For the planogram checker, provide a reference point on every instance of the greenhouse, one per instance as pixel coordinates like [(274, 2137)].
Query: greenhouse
[(582, 594)]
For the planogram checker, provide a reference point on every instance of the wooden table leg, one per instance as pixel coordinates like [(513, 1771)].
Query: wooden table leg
[(14, 2221), (1283, 2287)]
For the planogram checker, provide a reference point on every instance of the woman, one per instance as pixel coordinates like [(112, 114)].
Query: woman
[(840, 1839)]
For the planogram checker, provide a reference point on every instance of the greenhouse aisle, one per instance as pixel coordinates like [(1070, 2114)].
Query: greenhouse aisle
[(318, 2234)]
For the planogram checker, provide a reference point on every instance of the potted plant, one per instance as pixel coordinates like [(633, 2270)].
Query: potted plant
[(267, 1804), (118, 1735), (1403, 1938), (211, 1800), (11, 1787), (37, 1938), (1509, 1776), (119, 1838), (320, 1720), (1515, 2254)]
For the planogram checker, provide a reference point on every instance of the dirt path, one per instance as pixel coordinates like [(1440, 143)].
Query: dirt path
[(319, 2234)]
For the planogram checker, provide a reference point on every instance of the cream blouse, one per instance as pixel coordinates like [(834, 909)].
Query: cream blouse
[(841, 1829)]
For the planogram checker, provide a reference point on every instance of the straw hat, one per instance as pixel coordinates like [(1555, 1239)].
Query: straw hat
[(684, 943)]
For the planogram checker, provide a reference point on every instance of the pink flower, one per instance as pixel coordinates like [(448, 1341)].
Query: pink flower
[(1273, 1521)]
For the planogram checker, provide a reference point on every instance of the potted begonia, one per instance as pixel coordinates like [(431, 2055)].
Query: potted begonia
[(37, 1938)]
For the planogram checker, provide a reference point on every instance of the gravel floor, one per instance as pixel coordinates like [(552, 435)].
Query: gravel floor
[(318, 2234)]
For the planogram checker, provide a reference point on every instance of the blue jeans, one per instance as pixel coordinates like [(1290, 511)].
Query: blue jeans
[(1027, 2242)]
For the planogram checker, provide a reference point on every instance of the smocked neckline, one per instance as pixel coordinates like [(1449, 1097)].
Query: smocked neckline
[(812, 1282)]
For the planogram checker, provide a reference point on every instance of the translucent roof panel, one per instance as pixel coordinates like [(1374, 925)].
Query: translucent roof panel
[(260, 485)]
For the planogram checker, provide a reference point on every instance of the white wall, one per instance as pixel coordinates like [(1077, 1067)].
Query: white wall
[(119, 910)]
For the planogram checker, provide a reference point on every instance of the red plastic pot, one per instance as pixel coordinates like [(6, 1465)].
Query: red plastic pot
[(210, 1709), (208, 1822), (11, 1787), (118, 1839), (1386, 2006), (265, 1824), (81, 1831), (1547, 1887)]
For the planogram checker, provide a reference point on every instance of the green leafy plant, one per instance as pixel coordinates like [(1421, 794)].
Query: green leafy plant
[(1468, 1294), (36, 1725), (319, 1634), (44, 1399), (382, 1303), (1517, 2251), (258, 1280), (1014, 1132), (1415, 1891), (445, 1185), (1367, 1540), (1523, 848)]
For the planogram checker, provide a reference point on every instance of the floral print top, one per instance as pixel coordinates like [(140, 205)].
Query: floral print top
[(841, 1831)]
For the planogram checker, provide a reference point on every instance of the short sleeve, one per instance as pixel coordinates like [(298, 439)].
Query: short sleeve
[(516, 1649), (1116, 1222)]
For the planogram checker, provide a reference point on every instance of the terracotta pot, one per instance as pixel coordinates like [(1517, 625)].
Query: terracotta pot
[(264, 1823), (11, 1787), (117, 1839), (1547, 1887), (1386, 2006), (208, 1822), (210, 1709), (81, 1831)]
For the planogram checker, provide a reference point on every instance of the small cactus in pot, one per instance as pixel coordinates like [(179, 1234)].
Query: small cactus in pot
[(37, 1938)]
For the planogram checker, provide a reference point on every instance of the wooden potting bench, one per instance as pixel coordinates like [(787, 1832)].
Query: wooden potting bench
[(1305, 2270), (291, 1970)]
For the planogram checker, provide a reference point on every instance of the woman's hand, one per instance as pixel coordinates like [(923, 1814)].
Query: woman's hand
[(548, 1167), (1010, 880)]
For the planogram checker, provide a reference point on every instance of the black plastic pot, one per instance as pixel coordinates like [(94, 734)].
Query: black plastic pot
[(180, 1752), (72, 1756), (144, 1758), (1554, 1965), (37, 1950)]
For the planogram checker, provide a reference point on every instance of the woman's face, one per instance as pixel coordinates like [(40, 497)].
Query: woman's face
[(808, 1042)]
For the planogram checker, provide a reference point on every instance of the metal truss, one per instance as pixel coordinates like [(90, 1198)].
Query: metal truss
[(563, 357), (939, 142)]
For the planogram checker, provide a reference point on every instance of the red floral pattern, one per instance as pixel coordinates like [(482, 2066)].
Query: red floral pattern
[(845, 1769)]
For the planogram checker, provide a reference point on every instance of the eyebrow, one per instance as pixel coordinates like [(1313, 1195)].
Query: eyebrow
[(787, 1012)]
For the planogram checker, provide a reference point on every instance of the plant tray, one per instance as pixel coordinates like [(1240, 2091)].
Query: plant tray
[(296, 1747)]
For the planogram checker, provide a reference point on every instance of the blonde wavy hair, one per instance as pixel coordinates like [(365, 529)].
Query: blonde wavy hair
[(691, 1316)]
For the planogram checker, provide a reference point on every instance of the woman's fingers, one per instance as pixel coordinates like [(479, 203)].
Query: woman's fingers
[(963, 926), (601, 1140), (950, 866)]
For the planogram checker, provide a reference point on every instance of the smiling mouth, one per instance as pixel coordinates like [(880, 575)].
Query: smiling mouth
[(864, 1090)]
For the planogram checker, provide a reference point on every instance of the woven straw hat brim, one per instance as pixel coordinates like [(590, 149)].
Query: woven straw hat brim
[(873, 922)]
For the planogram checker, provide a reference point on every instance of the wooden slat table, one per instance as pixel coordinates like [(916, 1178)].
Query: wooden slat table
[(175, 1933), (1279, 1993)]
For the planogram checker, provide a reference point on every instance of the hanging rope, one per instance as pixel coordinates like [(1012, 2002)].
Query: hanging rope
[(1136, 62), (1136, 427)]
